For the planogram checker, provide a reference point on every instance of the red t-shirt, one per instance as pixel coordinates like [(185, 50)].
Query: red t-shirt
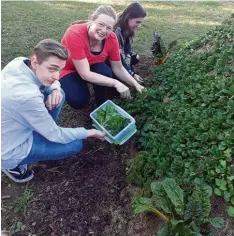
[(76, 41)]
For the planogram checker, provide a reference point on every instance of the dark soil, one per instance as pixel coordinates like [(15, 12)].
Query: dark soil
[(145, 66), (83, 195)]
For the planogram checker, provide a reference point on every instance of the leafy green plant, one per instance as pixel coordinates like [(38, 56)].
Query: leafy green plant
[(185, 118), (181, 217), (111, 120), (22, 202)]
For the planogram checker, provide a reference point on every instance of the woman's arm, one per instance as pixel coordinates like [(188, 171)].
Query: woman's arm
[(123, 75)]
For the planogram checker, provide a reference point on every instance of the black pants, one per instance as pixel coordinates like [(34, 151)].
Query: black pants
[(77, 91)]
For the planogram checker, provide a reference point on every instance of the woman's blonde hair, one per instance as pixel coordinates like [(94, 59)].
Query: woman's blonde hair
[(103, 9)]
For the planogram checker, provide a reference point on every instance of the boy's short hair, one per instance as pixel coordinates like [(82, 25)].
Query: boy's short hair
[(50, 47)]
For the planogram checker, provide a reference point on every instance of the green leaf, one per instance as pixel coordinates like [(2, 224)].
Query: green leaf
[(17, 226), (162, 199), (176, 222), (223, 187), (175, 194), (227, 196), (201, 194), (142, 204), (230, 177), (230, 211), (218, 182), (217, 192), (182, 230), (232, 201), (217, 222), (164, 231), (223, 163)]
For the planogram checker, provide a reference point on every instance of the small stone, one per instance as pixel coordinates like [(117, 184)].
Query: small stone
[(66, 184), (138, 227), (6, 196), (34, 223), (9, 185)]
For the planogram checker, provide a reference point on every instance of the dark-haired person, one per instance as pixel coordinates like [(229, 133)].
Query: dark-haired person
[(31, 103), (91, 45), (128, 22)]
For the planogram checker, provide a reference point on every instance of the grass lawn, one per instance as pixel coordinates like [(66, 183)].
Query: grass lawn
[(26, 23)]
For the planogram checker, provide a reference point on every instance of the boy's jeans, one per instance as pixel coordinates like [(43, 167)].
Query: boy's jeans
[(45, 150)]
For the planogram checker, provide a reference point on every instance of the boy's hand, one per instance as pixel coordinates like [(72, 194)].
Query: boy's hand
[(94, 133), (54, 99)]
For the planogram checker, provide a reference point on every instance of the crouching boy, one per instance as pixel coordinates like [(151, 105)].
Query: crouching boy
[(31, 102)]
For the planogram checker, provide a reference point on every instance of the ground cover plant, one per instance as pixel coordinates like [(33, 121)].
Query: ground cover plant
[(186, 118)]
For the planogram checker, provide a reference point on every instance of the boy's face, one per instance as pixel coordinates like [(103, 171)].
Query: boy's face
[(48, 71)]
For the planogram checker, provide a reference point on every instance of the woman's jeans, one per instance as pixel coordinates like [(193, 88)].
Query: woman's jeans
[(77, 91), (45, 150)]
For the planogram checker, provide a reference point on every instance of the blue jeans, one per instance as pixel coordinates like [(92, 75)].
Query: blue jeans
[(45, 150), (77, 91)]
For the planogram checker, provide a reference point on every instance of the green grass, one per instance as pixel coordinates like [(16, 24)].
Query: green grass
[(26, 23), (22, 201)]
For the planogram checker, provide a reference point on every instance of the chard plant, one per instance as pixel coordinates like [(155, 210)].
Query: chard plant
[(181, 217)]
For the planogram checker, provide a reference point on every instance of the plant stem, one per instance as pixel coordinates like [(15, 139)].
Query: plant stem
[(160, 214)]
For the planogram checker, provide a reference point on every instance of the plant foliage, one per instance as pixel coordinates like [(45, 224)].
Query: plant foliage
[(182, 217), (186, 118), (111, 120)]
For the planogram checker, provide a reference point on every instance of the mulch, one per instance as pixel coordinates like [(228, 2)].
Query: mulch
[(82, 195)]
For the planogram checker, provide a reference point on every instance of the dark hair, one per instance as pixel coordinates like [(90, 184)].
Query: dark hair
[(50, 47), (134, 10)]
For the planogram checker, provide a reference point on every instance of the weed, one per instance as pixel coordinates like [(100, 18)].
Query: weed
[(22, 202)]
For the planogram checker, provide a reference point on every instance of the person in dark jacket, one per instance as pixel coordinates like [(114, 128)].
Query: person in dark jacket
[(128, 22)]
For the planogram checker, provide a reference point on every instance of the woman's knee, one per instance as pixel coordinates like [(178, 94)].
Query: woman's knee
[(76, 90), (102, 69), (77, 102)]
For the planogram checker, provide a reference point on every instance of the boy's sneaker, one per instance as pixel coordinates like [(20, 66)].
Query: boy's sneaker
[(20, 174)]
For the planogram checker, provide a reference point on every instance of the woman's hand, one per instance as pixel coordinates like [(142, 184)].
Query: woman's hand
[(94, 133), (139, 88), (138, 78), (122, 89)]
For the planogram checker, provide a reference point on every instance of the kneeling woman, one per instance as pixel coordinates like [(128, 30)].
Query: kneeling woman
[(91, 45), (128, 22)]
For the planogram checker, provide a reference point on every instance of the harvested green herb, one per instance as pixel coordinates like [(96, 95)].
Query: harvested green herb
[(111, 120)]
